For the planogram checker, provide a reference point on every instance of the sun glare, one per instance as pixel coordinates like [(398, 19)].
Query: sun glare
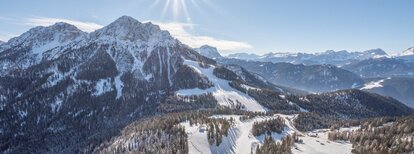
[(179, 8)]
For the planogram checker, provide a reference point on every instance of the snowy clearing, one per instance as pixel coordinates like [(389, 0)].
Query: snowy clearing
[(222, 91), (374, 84)]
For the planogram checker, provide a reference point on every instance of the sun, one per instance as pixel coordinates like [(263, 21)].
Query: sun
[(180, 8)]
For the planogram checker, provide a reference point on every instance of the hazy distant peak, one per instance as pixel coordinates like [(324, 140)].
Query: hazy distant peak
[(208, 51)]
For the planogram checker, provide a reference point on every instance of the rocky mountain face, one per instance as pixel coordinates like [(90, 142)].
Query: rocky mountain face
[(209, 51), (64, 91), (315, 78), (328, 57), (381, 67), (26, 50)]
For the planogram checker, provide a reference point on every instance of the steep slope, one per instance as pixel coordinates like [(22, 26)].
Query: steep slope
[(315, 78), (351, 104), (381, 67), (222, 91), (27, 49), (396, 87)]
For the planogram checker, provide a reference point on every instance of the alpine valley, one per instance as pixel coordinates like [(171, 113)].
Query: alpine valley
[(131, 87)]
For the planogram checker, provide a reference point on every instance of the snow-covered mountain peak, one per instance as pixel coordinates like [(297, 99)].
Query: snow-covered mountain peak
[(408, 52), (335, 52), (208, 51), (58, 33), (377, 51), (129, 29)]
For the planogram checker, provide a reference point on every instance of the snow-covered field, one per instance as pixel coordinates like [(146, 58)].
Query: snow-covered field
[(374, 84), (321, 144), (224, 94), (241, 141)]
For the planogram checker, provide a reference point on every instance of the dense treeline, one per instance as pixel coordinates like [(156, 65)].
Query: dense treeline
[(310, 121), (268, 126), (273, 100), (162, 134), (268, 98), (351, 104), (177, 103), (270, 146), (380, 136), (217, 128)]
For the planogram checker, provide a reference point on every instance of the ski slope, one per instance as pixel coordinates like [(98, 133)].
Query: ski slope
[(241, 141), (222, 91)]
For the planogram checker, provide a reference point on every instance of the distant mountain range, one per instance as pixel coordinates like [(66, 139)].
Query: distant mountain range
[(348, 72), (381, 67), (327, 57), (314, 78)]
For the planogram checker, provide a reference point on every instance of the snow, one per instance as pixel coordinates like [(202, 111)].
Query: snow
[(321, 145), (408, 52), (22, 114), (102, 86), (248, 87), (40, 49), (354, 85), (222, 91), (56, 105), (374, 84), (241, 141), (195, 91), (118, 85)]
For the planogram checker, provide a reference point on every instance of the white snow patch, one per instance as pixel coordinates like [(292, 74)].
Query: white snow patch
[(56, 105), (195, 91), (102, 86), (249, 87), (222, 91), (374, 84), (22, 114), (119, 85)]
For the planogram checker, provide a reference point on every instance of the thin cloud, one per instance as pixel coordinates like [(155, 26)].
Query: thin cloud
[(6, 36), (43, 21), (181, 31)]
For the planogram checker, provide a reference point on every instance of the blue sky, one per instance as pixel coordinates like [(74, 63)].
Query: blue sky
[(256, 26)]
